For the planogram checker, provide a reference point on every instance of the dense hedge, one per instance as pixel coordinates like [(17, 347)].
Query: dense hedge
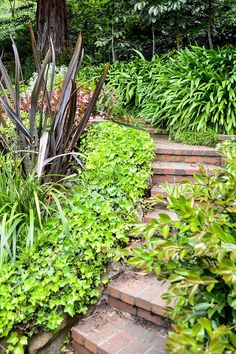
[(63, 271)]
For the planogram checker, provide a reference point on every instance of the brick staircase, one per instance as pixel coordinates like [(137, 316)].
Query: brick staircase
[(132, 320), (174, 163)]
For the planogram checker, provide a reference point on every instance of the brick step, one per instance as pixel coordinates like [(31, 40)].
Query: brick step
[(139, 295), (157, 190), (177, 171), (153, 215), (222, 137), (157, 133), (171, 151), (109, 331)]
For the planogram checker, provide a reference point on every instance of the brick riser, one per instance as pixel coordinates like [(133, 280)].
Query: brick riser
[(214, 160), (140, 297), (171, 178), (148, 315)]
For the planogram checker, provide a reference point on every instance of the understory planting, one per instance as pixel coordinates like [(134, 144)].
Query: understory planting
[(196, 255), (62, 271), (193, 89)]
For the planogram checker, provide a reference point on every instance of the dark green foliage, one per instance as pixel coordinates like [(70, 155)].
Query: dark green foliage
[(193, 89), (63, 271), (207, 138), (199, 253)]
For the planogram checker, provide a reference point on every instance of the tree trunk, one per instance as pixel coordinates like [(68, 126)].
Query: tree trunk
[(113, 51), (52, 22), (209, 24), (153, 41)]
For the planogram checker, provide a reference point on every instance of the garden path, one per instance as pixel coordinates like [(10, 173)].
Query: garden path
[(133, 320)]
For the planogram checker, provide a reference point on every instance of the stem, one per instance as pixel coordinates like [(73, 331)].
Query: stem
[(209, 24), (113, 43), (153, 41), (179, 38)]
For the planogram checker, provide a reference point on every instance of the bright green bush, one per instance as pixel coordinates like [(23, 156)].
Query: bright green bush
[(206, 138), (63, 271), (197, 256)]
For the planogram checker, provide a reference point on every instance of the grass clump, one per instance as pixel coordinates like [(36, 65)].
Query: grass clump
[(207, 138)]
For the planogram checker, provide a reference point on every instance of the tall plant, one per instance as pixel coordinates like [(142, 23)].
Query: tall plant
[(47, 140)]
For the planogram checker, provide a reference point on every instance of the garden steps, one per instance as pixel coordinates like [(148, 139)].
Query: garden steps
[(133, 321), (175, 172), (139, 295), (110, 331), (175, 163), (167, 150)]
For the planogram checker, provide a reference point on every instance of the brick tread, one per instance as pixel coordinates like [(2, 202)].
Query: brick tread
[(157, 189), (168, 147), (179, 168), (153, 214), (140, 291), (108, 331)]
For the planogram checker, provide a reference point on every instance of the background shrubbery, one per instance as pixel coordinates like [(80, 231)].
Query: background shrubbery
[(193, 89)]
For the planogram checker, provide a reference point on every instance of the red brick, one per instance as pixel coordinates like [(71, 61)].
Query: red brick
[(78, 336), (90, 345), (158, 310), (113, 291), (101, 334), (163, 178), (117, 342), (121, 305), (147, 315), (203, 159), (150, 296), (80, 349), (130, 288), (175, 158), (129, 299), (179, 171), (184, 178), (136, 347)]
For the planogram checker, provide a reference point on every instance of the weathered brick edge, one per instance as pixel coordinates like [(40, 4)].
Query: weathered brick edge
[(137, 307)]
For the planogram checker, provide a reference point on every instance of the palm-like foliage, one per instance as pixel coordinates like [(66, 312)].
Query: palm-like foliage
[(194, 90), (47, 140)]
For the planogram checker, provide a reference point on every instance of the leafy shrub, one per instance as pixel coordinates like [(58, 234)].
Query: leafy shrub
[(63, 270), (207, 138), (197, 256), (121, 92)]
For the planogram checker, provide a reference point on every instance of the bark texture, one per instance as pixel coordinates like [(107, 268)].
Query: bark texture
[(52, 22)]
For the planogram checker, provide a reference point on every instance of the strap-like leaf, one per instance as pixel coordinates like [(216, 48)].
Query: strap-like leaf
[(12, 115), (43, 149), (36, 92), (35, 49), (89, 109)]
